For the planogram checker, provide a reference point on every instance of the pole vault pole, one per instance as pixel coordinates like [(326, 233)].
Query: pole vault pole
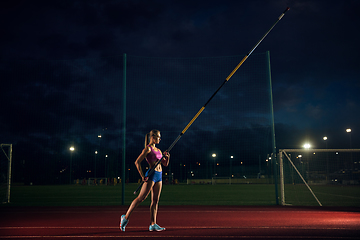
[(203, 107)]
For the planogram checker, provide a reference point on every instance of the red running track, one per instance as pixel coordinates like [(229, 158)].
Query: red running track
[(181, 222)]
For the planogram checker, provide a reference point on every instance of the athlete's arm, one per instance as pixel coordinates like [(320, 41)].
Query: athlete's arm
[(139, 159)]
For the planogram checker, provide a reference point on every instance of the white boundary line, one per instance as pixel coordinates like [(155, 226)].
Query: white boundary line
[(199, 227), (163, 234), (283, 210), (180, 237)]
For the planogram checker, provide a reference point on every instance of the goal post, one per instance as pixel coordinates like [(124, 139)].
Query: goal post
[(5, 161), (318, 168)]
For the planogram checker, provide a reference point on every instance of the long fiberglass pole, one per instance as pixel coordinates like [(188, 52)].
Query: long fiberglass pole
[(203, 107)]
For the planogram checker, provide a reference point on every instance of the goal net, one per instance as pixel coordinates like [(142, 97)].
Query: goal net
[(5, 172), (325, 177)]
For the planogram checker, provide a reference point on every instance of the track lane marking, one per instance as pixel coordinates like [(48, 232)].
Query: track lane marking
[(199, 227), (172, 236)]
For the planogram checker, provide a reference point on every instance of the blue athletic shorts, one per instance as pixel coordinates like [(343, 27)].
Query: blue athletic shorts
[(155, 177)]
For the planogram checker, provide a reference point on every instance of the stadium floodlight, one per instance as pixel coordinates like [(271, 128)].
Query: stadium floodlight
[(307, 145)]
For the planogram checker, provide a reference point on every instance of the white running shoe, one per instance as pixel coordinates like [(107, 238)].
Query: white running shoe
[(156, 227), (123, 223)]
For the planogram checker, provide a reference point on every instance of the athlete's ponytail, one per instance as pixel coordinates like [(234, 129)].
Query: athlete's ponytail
[(147, 139)]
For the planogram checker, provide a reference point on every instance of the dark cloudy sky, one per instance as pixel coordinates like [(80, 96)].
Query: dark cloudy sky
[(314, 51)]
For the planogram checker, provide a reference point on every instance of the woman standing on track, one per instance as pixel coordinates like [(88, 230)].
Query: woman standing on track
[(152, 183)]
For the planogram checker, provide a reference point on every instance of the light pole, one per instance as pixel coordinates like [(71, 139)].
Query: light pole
[(231, 157), (325, 139), (99, 137), (349, 131), (106, 156), (307, 147), (351, 157), (267, 167), (96, 152), (214, 156), (301, 164), (72, 149), (327, 158)]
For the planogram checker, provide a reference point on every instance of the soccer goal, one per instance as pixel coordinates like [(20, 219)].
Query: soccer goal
[(308, 175), (5, 172)]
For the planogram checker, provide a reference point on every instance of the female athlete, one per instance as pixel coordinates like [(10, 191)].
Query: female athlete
[(152, 183)]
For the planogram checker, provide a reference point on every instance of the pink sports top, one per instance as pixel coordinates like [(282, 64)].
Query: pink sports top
[(153, 156)]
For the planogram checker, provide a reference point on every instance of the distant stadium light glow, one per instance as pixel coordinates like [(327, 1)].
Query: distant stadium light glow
[(307, 146)]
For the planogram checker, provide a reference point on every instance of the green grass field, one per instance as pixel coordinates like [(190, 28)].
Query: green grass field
[(221, 194), (78, 195)]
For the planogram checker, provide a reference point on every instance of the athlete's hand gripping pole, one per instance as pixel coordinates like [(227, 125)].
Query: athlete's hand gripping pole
[(203, 107)]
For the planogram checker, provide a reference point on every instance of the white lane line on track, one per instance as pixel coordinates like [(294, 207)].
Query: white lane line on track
[(187, 227), (176, 211), (172, 236)]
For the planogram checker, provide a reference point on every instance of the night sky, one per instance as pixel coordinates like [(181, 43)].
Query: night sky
[(314, 52)]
